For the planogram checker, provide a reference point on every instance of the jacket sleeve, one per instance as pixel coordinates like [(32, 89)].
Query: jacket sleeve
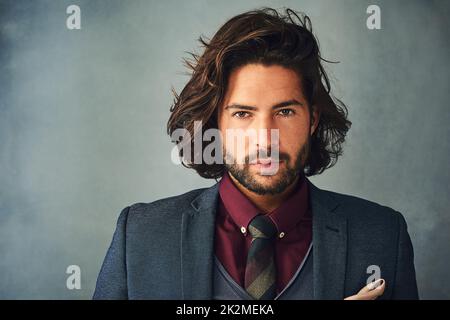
[(112, 280), (405, 285)]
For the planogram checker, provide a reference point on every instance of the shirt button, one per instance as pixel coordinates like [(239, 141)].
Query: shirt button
[(243, 230), (281, 235)]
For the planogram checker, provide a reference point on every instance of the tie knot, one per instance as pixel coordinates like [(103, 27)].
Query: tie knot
[(262, 227)]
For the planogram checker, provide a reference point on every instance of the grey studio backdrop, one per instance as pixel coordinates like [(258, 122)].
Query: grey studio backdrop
[(83, 114)]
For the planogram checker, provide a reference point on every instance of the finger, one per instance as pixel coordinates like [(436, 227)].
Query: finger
[(373, 294), (375, 284), (366, 293), (371, 286)]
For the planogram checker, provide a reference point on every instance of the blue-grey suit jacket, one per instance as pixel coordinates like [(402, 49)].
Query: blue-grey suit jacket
[(165, 249)]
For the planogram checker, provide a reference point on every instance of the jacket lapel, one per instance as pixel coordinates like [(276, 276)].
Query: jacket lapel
[(197, 245), (329, 245)]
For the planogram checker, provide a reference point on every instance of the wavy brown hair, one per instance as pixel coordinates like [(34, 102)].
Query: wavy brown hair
[(267, 37)]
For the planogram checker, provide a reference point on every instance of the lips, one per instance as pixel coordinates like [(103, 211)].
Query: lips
[(267, 161), (267, 166)]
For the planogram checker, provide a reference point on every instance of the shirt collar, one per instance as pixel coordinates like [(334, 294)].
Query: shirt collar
[(285, 217)]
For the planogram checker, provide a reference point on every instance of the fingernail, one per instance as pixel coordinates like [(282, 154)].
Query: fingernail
[(375, 284)]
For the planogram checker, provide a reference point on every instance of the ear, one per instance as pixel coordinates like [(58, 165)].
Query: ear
[(315, 118)]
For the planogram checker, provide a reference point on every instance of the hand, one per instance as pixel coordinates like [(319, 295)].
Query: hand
[(370, 292)]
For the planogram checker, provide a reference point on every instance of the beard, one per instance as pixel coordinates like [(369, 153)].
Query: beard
[(285, 176)]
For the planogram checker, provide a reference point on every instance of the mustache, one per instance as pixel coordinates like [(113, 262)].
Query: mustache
[(262, 154)]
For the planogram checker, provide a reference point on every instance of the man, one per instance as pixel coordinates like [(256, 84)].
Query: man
[(260, 233)]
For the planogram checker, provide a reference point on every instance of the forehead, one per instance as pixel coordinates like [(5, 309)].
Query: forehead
[(262, 85)]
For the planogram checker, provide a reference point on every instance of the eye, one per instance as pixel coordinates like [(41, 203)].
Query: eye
[(241, 114), (286, 112)]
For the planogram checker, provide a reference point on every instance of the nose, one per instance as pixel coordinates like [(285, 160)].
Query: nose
[(266, 137)]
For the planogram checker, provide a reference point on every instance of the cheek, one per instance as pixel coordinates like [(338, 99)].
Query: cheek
[(292, 140)]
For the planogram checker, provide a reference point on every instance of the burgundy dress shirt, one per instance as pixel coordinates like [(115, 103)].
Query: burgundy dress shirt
[(293, 220)]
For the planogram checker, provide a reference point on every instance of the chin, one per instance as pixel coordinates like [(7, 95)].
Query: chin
[(257, 173), (267, 181)]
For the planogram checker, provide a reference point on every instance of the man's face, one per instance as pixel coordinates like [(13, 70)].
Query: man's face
[(266, 97)]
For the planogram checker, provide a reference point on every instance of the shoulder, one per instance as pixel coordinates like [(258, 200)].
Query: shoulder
[(363, 211), (167, 204), (165, 208)]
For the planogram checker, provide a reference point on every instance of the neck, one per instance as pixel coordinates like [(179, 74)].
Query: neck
[(268, 202)]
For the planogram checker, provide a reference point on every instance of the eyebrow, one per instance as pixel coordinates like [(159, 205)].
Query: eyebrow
[(279, 105)]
